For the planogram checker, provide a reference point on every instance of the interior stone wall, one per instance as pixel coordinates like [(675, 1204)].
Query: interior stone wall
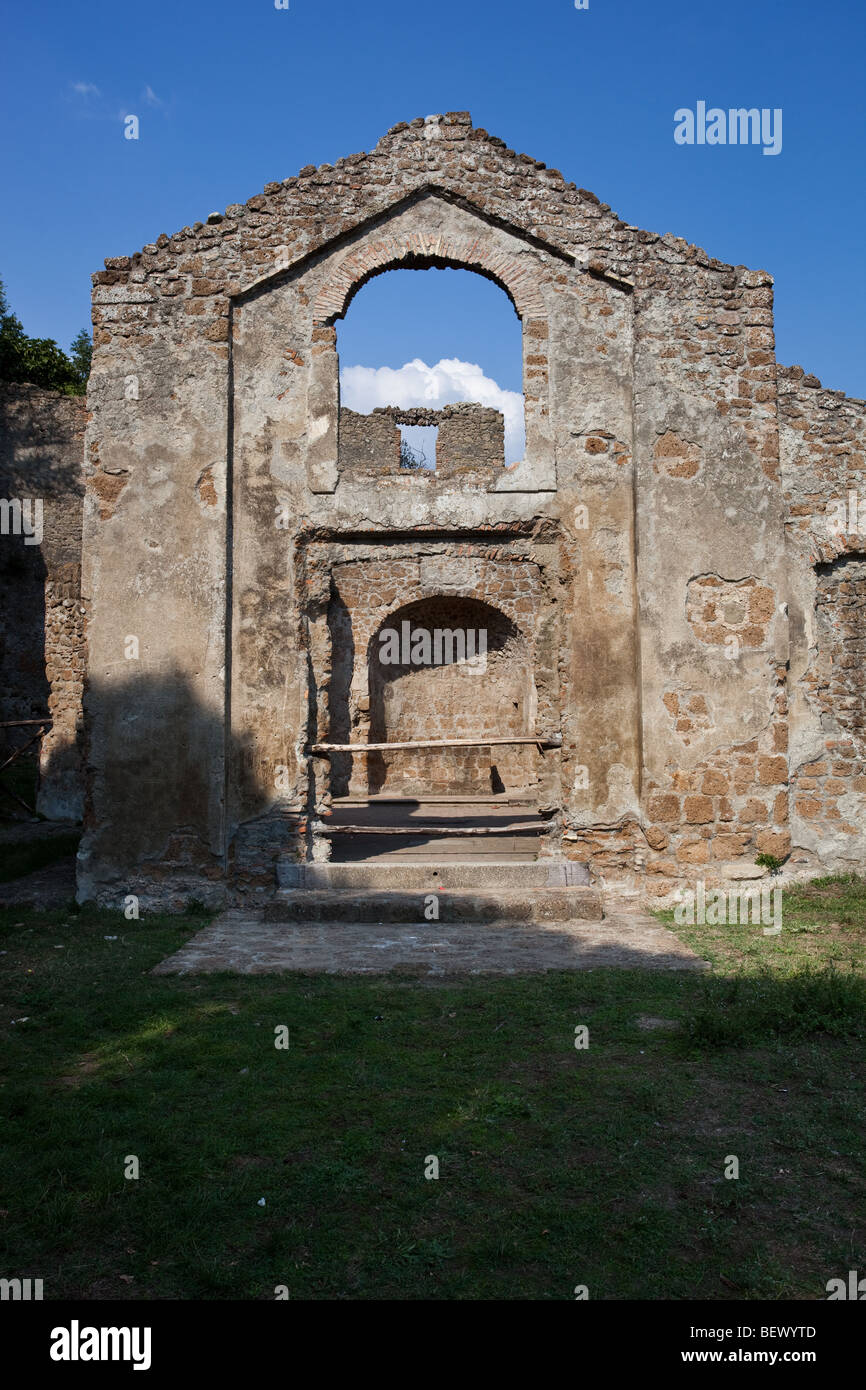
[(375, 588)]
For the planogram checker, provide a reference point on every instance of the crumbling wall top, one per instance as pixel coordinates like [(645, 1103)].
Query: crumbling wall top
[(236, 250)]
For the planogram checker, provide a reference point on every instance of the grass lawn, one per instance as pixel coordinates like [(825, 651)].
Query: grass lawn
[(557, 1166)]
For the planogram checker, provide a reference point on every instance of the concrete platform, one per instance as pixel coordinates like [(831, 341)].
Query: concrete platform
[(377, 906), (496, 875), (243, 942)]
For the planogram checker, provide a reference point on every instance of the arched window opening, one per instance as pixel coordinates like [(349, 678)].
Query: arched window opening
[(439, 349)]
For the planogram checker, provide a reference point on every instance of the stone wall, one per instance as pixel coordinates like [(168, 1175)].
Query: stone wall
[(369, 444), (654, 516), (442, 697), (470, 440), (823, 435), (42, 658)]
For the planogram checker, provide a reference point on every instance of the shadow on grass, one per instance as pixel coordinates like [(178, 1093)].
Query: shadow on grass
[(744, 1010)]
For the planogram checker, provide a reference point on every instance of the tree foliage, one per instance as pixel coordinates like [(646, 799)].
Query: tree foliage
[(40, 361), (410, 458)]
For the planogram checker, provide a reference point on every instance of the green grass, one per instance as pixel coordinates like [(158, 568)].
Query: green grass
[(20, 857), (823, 922), (558, 1167)]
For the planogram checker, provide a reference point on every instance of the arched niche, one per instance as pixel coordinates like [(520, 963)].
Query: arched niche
[(429, 692)]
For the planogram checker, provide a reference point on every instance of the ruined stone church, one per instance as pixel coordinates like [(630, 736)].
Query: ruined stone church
[(670, 581)]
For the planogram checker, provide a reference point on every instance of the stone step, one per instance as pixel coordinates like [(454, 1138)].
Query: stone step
[(403, 876), (427, 831), (334, 905), (420, 806), (468, 827), (432, 818)]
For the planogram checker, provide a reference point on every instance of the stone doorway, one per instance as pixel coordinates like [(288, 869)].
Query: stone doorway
[(448, 641), (444, 669)]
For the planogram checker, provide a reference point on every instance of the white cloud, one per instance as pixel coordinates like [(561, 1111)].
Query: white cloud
[(450, 380), (151, 98), (85, 89)]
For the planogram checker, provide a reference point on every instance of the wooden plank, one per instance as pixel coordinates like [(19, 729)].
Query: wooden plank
[(23, 749), (322, 829), (551, 741), (16, 753)]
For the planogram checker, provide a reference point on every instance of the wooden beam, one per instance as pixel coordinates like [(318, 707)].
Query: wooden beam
[(548, 741), (23, 749), (541, 827)]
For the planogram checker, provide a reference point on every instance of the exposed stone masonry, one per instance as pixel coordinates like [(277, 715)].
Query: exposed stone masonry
[(470, 441), (823, 439), (369, 444)]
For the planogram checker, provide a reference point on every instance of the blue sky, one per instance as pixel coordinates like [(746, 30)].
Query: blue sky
[(232, 95)]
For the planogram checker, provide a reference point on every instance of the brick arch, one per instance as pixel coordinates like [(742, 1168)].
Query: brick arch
[(457, 594), (421, 251), (413, 594)]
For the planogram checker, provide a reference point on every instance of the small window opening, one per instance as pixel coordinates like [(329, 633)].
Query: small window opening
[(418, 448)]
